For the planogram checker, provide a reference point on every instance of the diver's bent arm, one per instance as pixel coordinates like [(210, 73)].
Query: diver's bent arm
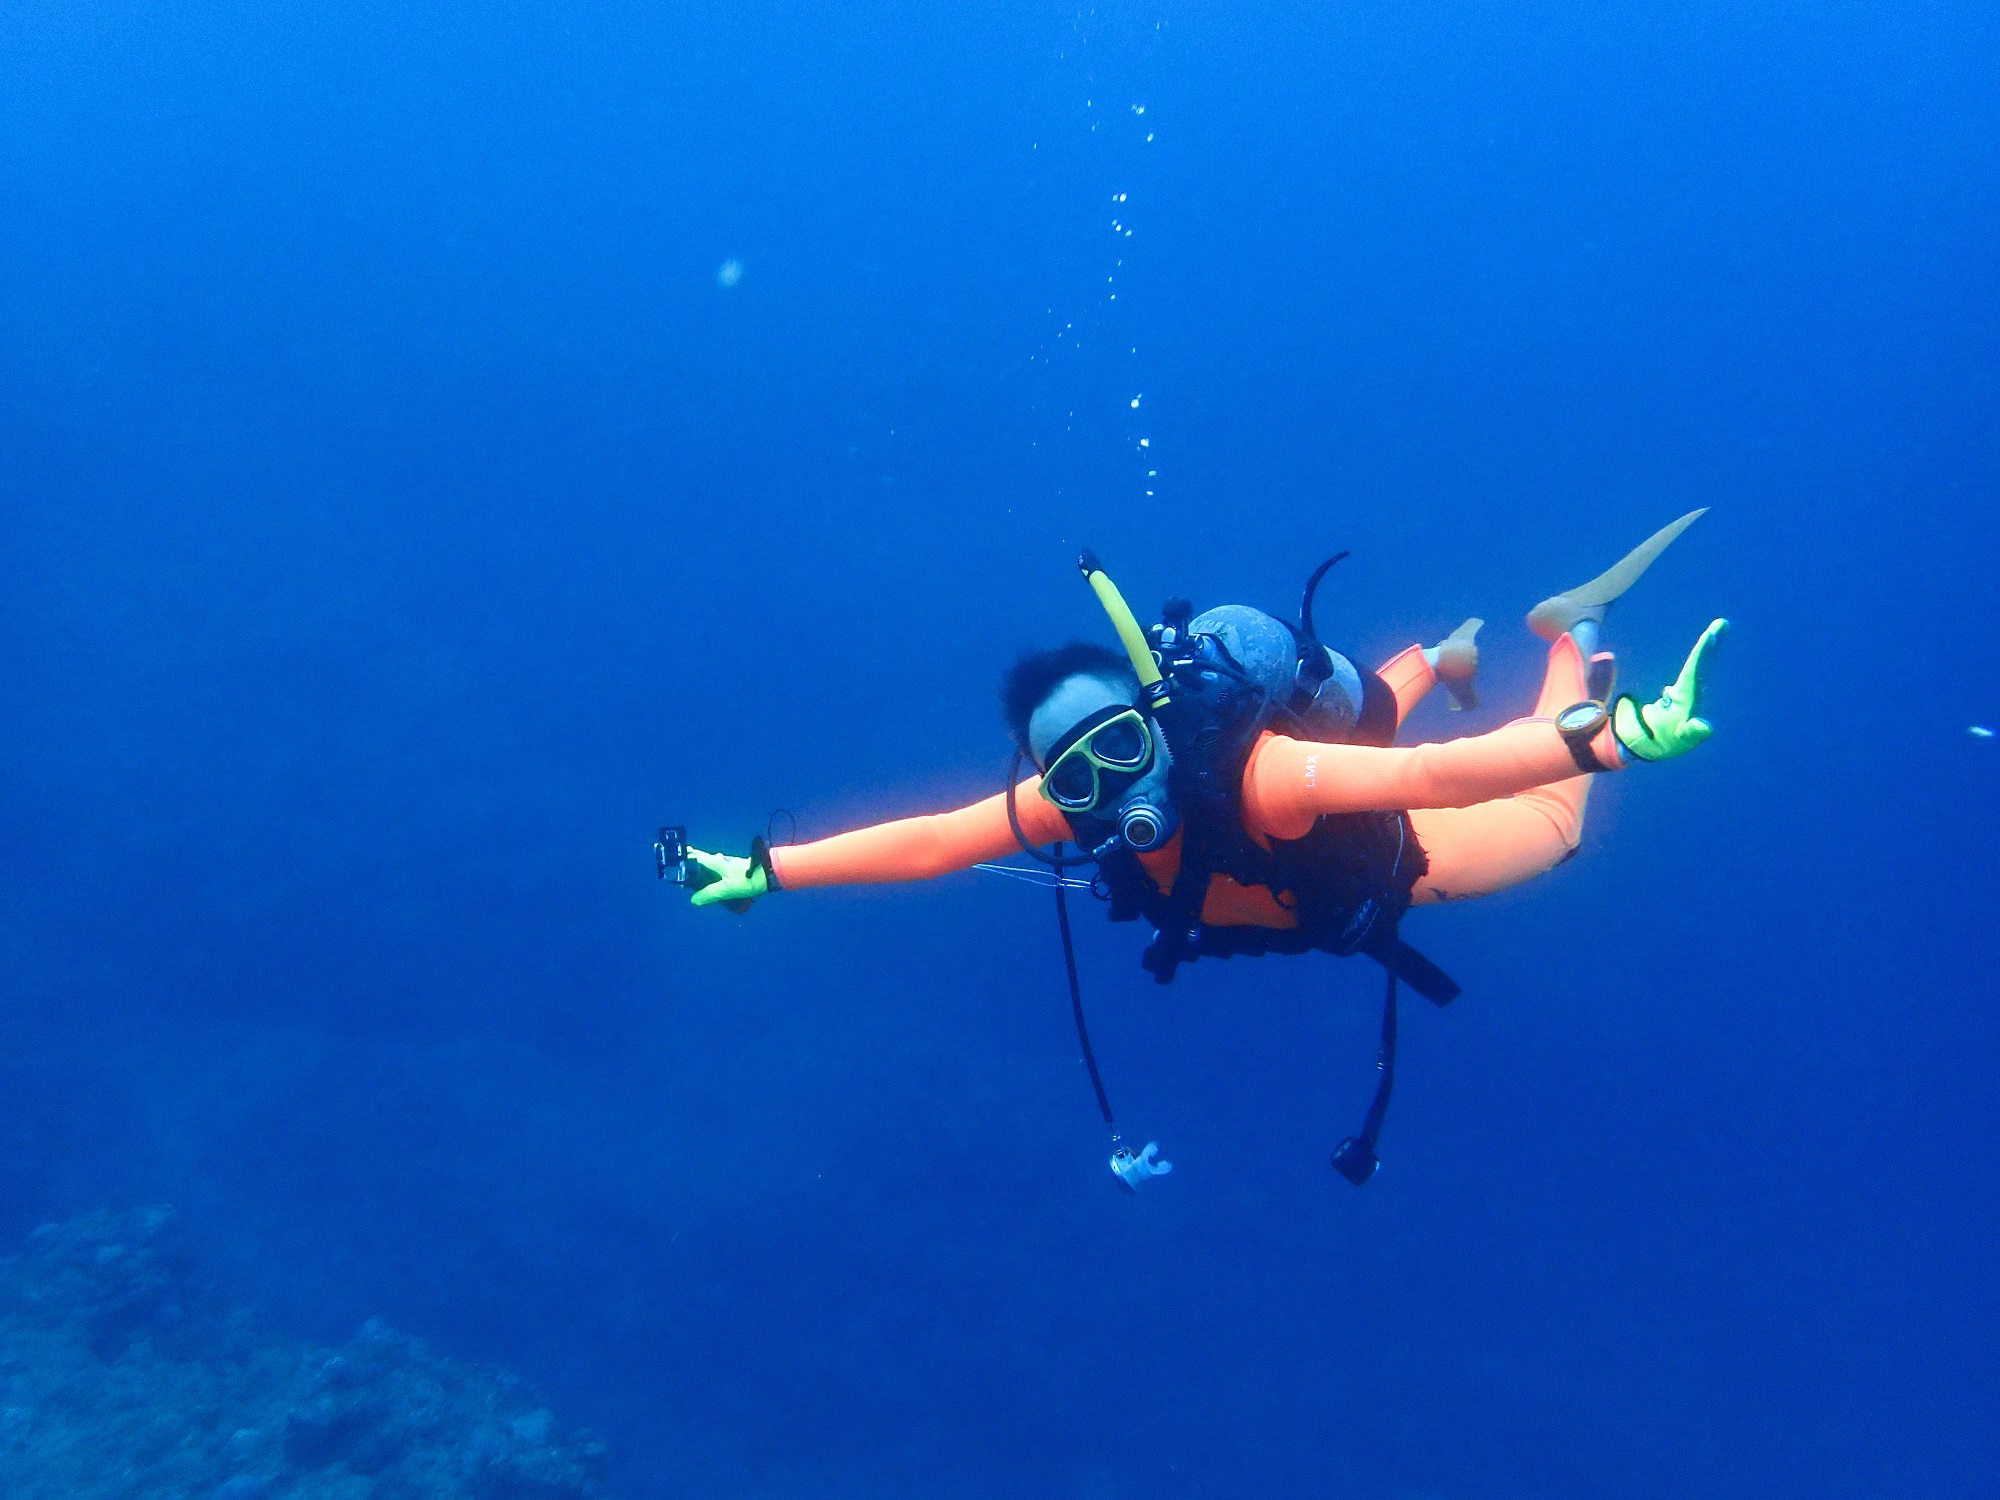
[(919, 848), (1289, 782)]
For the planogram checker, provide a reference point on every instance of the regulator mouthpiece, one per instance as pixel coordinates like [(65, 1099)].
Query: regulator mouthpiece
[(1132, 1170), (1144, 827)]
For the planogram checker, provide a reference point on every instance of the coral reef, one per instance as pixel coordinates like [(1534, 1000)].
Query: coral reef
[(124, 1377)]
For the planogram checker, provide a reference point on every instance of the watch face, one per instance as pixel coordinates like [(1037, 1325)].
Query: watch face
[(1580, 718)]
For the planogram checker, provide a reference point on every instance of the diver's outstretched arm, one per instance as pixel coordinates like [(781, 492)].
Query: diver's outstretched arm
[(905, 849), (1289, 782), (921, 848)]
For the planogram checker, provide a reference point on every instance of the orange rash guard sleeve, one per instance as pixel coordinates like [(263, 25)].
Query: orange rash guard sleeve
[(1289, 782), (920, 848)]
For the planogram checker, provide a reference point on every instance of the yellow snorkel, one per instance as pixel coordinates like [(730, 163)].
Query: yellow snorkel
[(1130, 635)]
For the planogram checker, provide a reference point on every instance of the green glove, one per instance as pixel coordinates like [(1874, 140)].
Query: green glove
[(1669, 725), (735, 882)]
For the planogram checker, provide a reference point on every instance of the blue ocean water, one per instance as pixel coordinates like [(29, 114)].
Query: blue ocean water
[(440, 443)]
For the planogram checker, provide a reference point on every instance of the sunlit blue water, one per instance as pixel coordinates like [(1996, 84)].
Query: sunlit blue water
[(440, 443)]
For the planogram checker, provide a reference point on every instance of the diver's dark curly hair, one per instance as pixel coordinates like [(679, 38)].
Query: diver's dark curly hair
[(1035, 675)]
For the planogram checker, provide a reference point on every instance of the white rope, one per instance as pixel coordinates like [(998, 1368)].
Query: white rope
[(1043, 878)]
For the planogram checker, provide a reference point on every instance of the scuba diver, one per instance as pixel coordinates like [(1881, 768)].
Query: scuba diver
[(1235, 783)]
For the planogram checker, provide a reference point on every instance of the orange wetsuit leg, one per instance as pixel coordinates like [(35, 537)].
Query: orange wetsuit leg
[(1409, 676), (1489, 846)]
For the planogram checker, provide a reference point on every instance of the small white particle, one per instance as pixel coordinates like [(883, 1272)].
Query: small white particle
[(729, 272), (1135, 403), (1980, 732), (1145, 442)]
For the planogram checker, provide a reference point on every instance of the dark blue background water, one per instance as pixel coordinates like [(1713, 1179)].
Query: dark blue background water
[(400, 520)]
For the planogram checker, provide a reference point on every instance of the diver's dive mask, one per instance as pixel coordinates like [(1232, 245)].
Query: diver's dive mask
[(1099, 760), (1108, 768)]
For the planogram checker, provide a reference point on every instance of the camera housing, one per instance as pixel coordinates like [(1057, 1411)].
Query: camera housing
[(670, 854)]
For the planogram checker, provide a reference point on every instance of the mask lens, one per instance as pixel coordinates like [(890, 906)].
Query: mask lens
[(1121, 742), (1072, 782)]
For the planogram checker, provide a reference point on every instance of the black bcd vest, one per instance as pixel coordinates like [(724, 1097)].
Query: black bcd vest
[(1349, 878)]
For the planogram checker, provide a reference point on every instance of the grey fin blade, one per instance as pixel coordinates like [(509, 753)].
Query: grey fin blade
[(1458, 664), (1553, 616)]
